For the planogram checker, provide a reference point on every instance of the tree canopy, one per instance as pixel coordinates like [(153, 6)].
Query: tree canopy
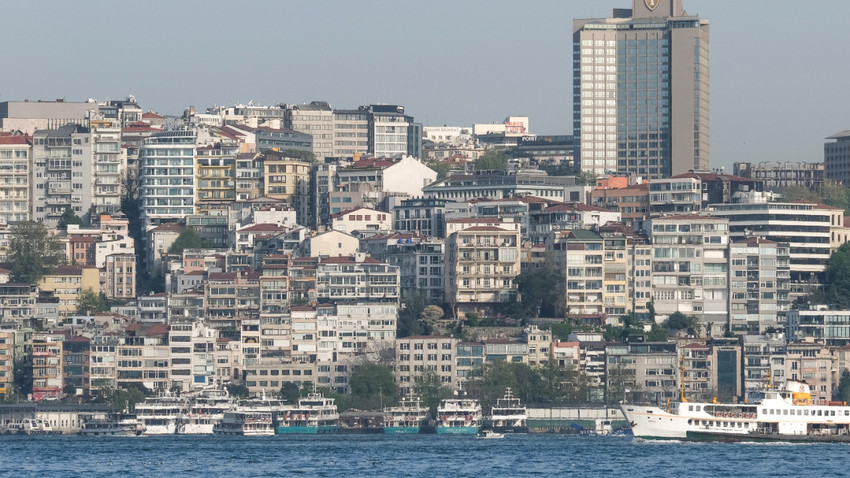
[(680, 321), (546, 385), (837, 279), (493, 160), (189, 239), (32, 250), (372, 387), (91, 302), (428, 387), (830, 193), (542, 293), (68, 217)]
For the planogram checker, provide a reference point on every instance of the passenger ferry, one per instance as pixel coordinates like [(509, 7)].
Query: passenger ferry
[(110, 424), (161, 415), (29, 426), (313, 414), (205, 410), (410, 416), (509, 415), (245, 422), (782, 415), (459, 416)]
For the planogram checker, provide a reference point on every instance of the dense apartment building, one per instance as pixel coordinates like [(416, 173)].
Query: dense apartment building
[(778, 176), (759, 285), (287, 177), (418, 355), (641, 90), (7, 363), (690, 268), (693, 192), (826, 327), (216, 177), (45, 356), (15, 153), (317, 120), (167, 178), (481, 263)]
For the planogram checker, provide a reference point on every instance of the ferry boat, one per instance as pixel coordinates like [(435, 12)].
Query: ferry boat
[(29, 426), (312, 414), (410, 416), (509, 415), (459, 415), (111, 424), (787, 414), (205, 410), (246, 421), (161, 415)]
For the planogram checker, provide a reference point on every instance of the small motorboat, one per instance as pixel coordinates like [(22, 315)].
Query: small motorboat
[(489, 434)]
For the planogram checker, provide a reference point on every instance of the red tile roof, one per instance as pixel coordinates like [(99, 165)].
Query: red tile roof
[(264, 227), (16, 139)]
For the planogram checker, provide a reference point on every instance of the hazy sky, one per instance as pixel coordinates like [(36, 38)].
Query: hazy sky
[(779, 69)]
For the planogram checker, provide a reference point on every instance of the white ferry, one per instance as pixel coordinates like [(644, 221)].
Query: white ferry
[(459, 416), (313, 414), (205, 410), (509, 415), (161, 415), (110, 424), (29, 426), (410, 416), (245, 422), (782, 415)]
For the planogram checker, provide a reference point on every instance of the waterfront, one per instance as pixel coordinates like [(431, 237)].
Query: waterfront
[(409, 455)]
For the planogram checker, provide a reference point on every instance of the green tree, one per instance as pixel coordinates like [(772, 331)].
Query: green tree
[(372, 387), (408, 316), (430, 319), (442, 169), (837, 279), (800, 193), (290, 392), (541, 292), (656, 334), (128, 398), (834, 194), (189, 239), (91, 302), (586, 177), (68, 217), (562, 330), (844, 387), (32, 250), (238, 391), (69, 390), (429, 387), (680, 321), (493, 160)]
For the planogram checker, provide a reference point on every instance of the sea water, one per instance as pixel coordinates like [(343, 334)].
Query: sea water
[(409, 455)]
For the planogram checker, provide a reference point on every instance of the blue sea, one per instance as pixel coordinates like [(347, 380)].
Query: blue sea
[(409, 455)]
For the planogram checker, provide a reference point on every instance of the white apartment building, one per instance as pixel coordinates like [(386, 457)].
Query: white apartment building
[(167, 177), (759, 281), (15, 153), (690, 268)]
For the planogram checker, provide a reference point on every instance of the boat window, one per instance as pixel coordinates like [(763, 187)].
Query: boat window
[(690, 408), (847, 413), (698, 408), (832, 413), (785, 412)]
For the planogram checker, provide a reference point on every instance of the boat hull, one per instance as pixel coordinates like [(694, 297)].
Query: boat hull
[(765, 437), (307, 430), (441, 430), (510, 429)]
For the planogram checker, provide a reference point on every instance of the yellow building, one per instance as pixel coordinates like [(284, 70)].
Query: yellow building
[(67, 283), (216, 176), (287, 177), (7, 363)]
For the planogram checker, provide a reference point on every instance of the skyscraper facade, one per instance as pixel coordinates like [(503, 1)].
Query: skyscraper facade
[(640, 90)]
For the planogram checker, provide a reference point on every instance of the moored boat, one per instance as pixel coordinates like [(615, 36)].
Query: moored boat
[(459, 415), (782, 415), (410, 416), (245, 421), (312, 414), (509, 415), (161, 415), (205, 410), (110, 424), (489, 434)]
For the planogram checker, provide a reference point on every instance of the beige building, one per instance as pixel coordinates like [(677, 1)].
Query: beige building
[(814, 364), (119, 277), (481, 263), (7, 363), (332, 243), (420, 354), (539, 344), (67, 283), (288, 178)]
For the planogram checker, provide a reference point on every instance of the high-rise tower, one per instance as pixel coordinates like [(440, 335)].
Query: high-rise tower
[(640, 90)]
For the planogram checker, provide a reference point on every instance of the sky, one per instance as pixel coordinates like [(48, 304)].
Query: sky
[(779, 69)]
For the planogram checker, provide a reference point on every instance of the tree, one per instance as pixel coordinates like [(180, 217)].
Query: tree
[(844, 387), (69, 390), (408, 316), (442, 169), (541, 293), (799, 193), (372, 387), (562, 330), (32, 249), (493, 160), (68, 217), (239, 391), (586, 177), (837, 279), (834, 194), (680, 321), (430, 319), (290, 392), (91, 302), (429, 387), (190, 239), (656, 334)]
